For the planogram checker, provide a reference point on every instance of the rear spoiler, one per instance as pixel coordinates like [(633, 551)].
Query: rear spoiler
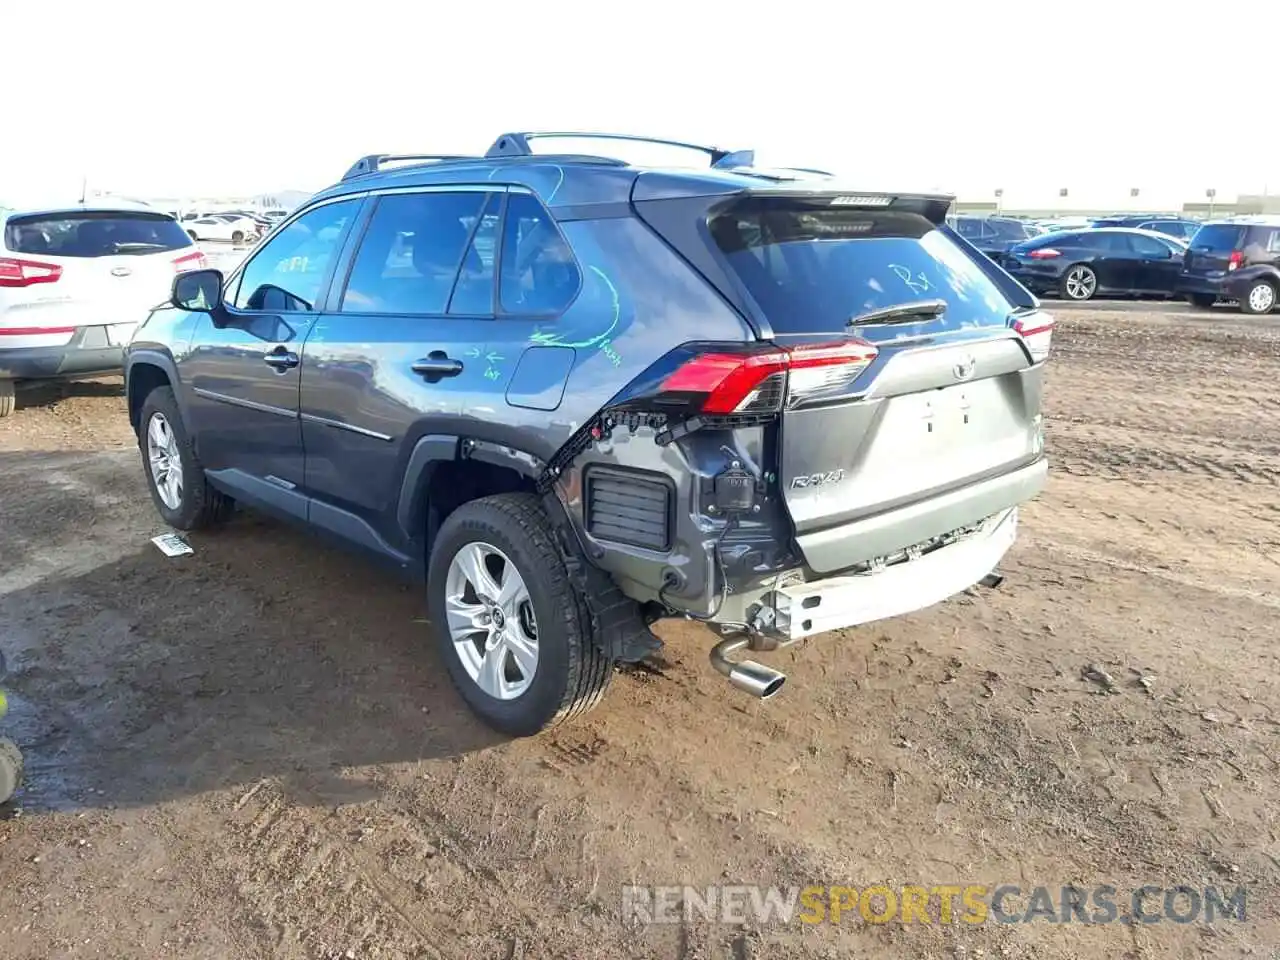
[(819, 191)]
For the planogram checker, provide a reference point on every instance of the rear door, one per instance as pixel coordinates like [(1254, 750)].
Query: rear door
[(952, 397), (1113, 260)]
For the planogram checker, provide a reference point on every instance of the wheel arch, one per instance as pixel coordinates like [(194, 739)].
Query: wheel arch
[(145, 371), (444, 471)]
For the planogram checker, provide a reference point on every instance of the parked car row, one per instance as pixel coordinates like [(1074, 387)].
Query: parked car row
[(1236, 260)]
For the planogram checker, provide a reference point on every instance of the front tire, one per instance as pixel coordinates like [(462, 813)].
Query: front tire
[(8, 398), (1079, 283), (1261, 298), (510, 625), (175, 476), (237, 236)]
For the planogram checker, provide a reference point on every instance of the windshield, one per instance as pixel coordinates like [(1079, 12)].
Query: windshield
[(92, 234), (812, 269)]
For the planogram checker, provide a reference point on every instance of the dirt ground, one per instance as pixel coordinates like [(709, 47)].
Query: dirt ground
[(252, 751)]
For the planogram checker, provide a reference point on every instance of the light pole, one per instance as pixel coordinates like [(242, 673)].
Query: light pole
[(999, 200), (1211, 193)]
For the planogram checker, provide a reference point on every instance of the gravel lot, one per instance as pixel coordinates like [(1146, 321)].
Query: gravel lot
[(253, 752)]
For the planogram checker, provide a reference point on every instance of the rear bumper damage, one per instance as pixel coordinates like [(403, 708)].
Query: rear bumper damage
[(802, 609)]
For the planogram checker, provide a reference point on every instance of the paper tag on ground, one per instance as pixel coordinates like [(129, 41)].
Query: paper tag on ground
[(172, 545)]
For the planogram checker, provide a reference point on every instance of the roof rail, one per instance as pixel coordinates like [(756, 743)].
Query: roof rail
[(517, 145), (374, 161)]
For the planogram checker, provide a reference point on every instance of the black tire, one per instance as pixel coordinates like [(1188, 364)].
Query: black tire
[(572, 672), (8, 399), (237, 236), (1202, 300), (192, 235), (10, 769), (200, 505), (1084, 270), (1260, 298)]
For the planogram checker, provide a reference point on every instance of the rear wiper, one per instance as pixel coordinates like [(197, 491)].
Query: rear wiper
[(900, 313)]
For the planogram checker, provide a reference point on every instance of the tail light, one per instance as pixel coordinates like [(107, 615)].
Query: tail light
[(1044, 253), (23, 273), (1236, 261), (1036, 330), (726, 380), (192, 261)]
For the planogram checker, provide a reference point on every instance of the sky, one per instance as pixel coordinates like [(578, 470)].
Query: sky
[(232, 98)]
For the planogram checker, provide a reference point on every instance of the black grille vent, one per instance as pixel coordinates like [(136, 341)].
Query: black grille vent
[(628, 507)]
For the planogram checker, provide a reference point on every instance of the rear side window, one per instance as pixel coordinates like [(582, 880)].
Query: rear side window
[(1218, 237), (410, 254), (539, 275), (473, 290), (813, 268), (92, 234)]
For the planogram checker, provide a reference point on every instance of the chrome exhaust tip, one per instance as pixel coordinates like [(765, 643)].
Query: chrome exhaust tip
[(748, 676)]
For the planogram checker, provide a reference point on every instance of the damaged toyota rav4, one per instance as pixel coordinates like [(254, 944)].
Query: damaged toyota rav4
[(575, 396)]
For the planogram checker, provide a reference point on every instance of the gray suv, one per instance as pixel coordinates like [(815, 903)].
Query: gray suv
[(575, 396)]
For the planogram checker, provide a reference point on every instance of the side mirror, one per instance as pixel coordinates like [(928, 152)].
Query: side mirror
[(199, 290)]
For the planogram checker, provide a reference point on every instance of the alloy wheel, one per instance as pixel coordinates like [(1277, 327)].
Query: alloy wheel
[(1262, 298), (164, 461), (491, 622), (1081, 282)]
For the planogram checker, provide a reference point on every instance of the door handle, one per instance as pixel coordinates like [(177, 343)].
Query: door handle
[(281, 359), (435, 365)]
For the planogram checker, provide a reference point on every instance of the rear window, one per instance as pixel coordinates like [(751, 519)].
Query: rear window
[(94, 234), (1220, 236), (813, 268)]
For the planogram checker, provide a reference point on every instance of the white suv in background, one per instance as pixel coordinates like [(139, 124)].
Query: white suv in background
[(74, 283)]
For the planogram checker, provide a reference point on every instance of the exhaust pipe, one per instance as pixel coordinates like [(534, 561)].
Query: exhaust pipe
[(747, 675)]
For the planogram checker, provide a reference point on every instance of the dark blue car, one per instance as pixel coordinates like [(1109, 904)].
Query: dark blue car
[(1081, 264)]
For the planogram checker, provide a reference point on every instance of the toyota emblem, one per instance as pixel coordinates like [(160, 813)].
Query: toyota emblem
[(120, 271)]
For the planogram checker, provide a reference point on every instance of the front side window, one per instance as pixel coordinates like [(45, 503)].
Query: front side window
[(410, 255), (288, 272), (539, 274)]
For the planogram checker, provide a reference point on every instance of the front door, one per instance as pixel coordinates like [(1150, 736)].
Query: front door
[(241, 376)]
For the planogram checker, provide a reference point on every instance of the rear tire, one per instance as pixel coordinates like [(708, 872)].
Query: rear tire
[(1260, 299), (1202, 300), (190, 503), (1079, 283), (8, 398), (571, 671), (237, 236), (192, 235), (10, 769)]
